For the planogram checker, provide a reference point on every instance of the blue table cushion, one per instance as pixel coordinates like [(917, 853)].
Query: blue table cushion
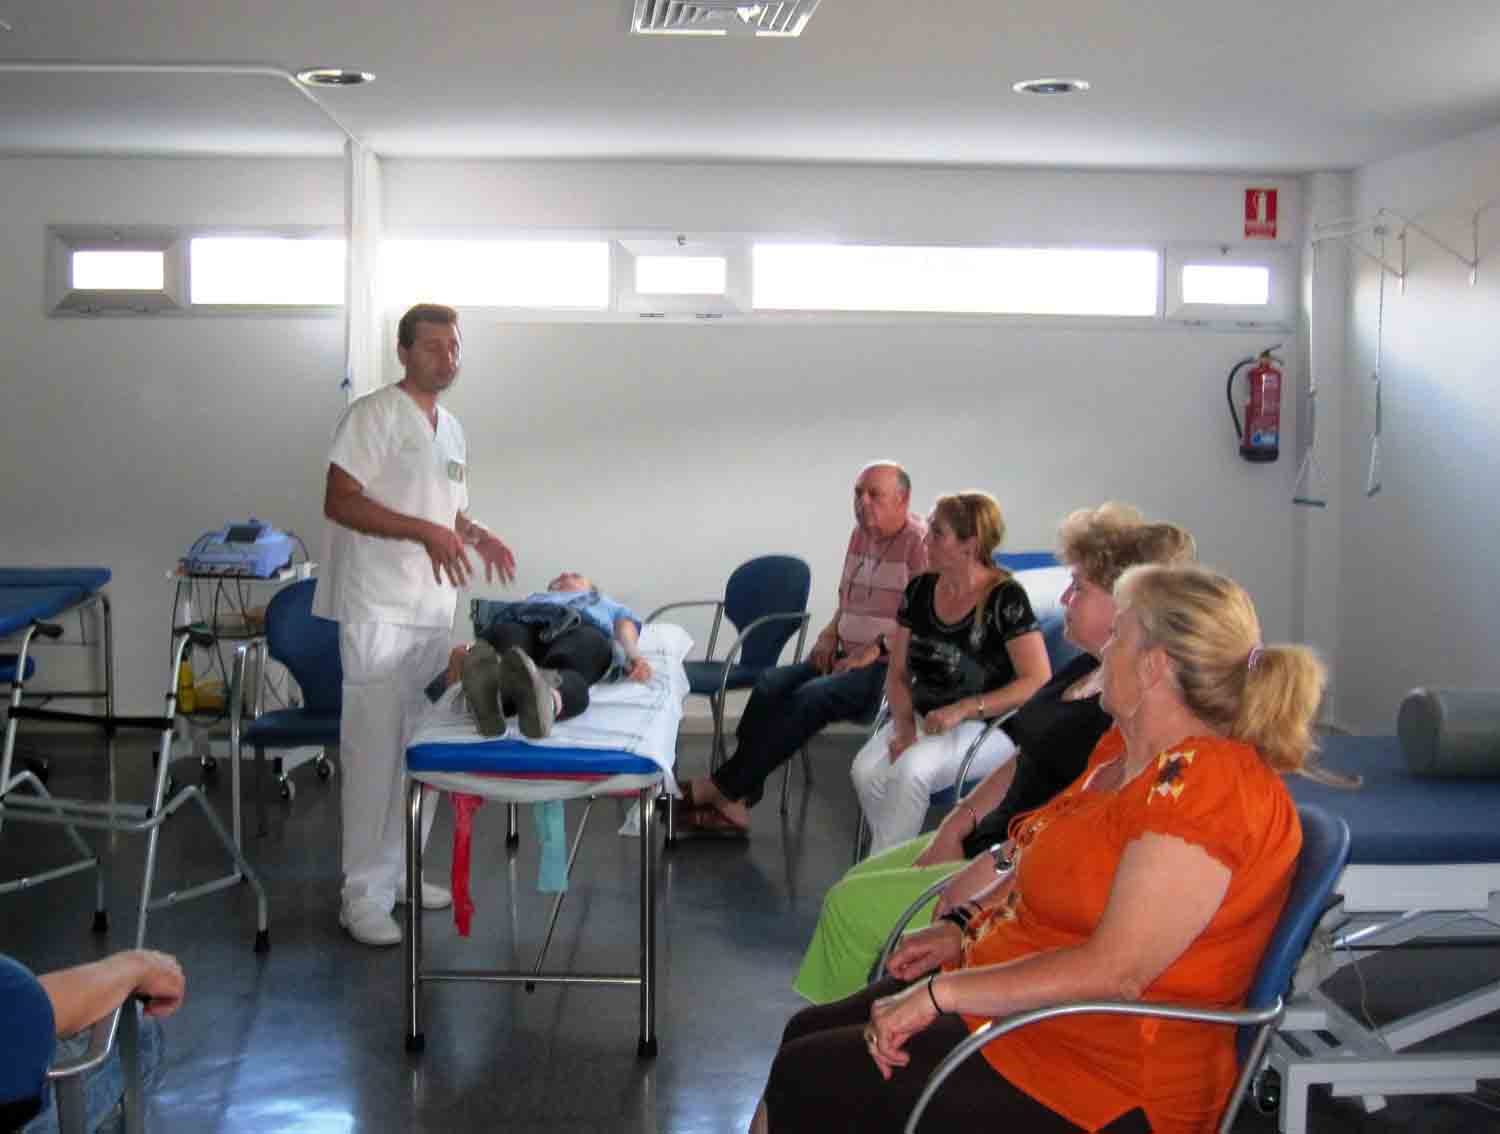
[(507, 756), (20, 606), (704, 676), (290, 728), (84, 578), (1398, 818), (8, 668)]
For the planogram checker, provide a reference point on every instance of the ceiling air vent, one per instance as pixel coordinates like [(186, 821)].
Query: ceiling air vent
[(721, 17)]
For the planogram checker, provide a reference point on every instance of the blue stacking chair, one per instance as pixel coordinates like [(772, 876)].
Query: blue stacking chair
[(308, 647), (766, 602), (1325, 851)]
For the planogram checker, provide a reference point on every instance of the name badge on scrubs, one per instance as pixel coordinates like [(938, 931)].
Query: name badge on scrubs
[(456, 472)]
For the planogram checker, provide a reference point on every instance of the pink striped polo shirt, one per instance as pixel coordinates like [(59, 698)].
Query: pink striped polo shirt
[(876, 571)]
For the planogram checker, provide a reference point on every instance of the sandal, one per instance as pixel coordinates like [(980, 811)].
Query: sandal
[(680, 804), (711, 821)]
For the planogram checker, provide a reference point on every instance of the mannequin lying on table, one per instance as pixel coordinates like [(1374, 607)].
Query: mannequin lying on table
[(535, 659)]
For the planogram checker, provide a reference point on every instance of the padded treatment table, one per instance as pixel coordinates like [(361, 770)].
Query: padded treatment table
[(30, 598), (1424, 867), (625, 743), (32, 594)]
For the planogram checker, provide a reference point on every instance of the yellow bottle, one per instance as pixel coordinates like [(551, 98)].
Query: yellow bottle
[(187, 695)]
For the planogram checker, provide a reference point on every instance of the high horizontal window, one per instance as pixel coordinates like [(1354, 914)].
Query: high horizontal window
[(265, 271), (114, 270), (1226, 284), (102, 269), (983, 281), (681, 275), (497, 273)]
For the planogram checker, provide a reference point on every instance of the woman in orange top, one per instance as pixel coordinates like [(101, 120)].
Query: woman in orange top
[(1158, 875)]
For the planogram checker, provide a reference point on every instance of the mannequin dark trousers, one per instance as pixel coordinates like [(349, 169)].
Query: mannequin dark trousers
[(788, 707), (581, 656)]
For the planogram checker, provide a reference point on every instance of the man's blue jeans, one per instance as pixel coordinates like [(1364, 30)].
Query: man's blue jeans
[(105, 1086), (789, 705)]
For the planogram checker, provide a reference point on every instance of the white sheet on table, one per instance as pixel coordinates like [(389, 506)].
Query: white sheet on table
[(640, 718)]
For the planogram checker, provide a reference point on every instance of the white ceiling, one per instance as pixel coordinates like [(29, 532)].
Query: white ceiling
[(1275, 85)]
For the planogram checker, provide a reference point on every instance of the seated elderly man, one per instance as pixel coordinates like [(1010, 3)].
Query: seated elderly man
[(43, 1016), (844, 678), (537, 658)]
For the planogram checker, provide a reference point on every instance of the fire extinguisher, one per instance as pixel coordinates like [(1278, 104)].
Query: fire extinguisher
[(1261, 436)]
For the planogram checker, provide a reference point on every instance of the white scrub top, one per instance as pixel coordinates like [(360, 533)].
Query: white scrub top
[(386, 442)]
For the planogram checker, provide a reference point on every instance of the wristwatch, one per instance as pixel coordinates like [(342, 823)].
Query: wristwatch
[(882, 646), (1003, 861)]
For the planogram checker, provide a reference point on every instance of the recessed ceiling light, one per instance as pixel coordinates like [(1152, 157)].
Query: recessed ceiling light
[(1051, 86), (333, 77), (5, 26)]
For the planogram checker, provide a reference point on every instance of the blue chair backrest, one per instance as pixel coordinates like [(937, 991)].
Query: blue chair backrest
[(1060, 651), (1024, 560), (1324, 854), (771, 584), (307, 645)]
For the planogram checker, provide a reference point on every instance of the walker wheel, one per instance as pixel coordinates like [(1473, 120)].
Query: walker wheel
[(288, 790), (1265, 1089), (325, 768)]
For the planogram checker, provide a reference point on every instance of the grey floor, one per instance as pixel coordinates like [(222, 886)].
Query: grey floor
[(308, 1037)]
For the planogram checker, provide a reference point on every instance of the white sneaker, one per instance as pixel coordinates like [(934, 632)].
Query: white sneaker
[(368, 923), (434, 897)]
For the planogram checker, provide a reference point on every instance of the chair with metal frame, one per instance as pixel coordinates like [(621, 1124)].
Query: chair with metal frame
[(765, 600), (308, 646), (1324, 853), (69, 1077)]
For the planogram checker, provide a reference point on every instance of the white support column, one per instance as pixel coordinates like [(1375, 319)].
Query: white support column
[(1324, 316), (364, 331)]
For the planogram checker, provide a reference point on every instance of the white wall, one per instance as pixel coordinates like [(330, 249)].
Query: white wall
[(656, 456), (684, 448), (121, 439), (1418, 561)]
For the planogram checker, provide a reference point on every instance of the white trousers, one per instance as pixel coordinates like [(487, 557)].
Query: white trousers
[(895, 797), (385, 670)]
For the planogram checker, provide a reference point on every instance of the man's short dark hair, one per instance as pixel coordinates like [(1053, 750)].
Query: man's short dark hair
[(406, 330)]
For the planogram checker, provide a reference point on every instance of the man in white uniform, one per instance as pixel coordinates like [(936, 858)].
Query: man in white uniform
[(397, 493)]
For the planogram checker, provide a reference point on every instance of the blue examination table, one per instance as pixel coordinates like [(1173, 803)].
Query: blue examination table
[(623, 745)]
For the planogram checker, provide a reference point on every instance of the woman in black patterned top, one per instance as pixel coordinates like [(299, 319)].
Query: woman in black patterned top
[(968, 648)]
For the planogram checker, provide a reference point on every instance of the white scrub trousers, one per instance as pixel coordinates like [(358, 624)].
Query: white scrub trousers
[(386, 668), (895, 797)]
